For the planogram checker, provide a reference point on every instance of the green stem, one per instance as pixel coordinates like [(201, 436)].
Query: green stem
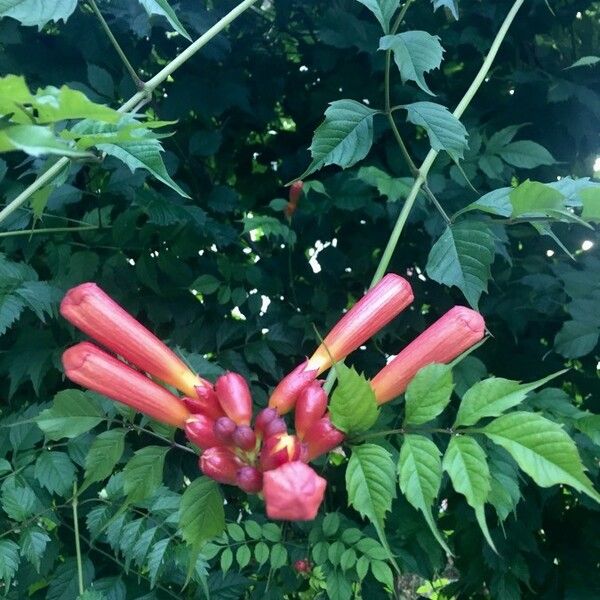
[(149, 87), (48, 230), (113, 40), (77, 541)]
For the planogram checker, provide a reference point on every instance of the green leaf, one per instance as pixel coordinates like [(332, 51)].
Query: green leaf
[(73, 412), (428, 394), (105, 452), (590, 425), (243, 556), (33, 542), (143, 473), (533, 198), (462, 256), (491, 397), (415, 53), (55, 472), (451, 5), (445, 131), (394, 188), (162, 8), (37, 12), (504, 493), (420, 472), (206, 284), (344, 137), (18, 501), (590, 198), (263, 225), (36, 140), (383, 10), (9, 559), (337, 585), (584, 61), (143, 154), (496, 202), (542, 449), (382, 572), (279, 556), (156, 559), (576, 338), (261, 553), (11, 308), (201, 514), (466, 464), (526, 154), (371, 482), (353, 406)]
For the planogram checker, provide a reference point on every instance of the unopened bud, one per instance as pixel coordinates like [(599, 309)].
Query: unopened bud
[(235, 398), (244, 438), (199, 430), (322, 437), (264, 417), (220, 464), (249, 479), (274, 427), (223, 429), (310, 407)]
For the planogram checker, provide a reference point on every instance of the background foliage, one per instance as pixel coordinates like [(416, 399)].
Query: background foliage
[(201, 251)]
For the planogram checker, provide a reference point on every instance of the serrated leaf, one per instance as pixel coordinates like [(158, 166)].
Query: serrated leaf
[(370, 481), (18, 501), (353, 406), (72, 413), (444, 130), (491, 397), (156, 559), (576, 338), (420, 472), (55, 472), (344, 137), (11, 308), (33, 542), (105, 451), (415, 53), (383, 10), (143, 154), (36, 140), (462, 256), (64, 582), (37, 12), (201, 515), (526, 154), (496, 202), (428, 394), (163, 8), (394, 188), (142, 475), (542, 449), (9, 559), (466, 464)]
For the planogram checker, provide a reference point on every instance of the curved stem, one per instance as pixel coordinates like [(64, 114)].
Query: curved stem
[(113, 40), (149, 87)]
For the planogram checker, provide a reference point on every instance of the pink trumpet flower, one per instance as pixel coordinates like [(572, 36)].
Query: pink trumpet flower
[(235, 398), (95, 313), (452, 334), (373, 311), (220, 464), (322, 437), (310, 407), (293, 492), (91, 367), (199, 429)]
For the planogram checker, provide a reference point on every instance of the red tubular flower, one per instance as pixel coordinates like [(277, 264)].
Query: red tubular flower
[(220, 464), (372, 312), (199, 429), (286, 393), (293, 492), (279, 449), (95, 313), (93, 368), (452, 334), (310, 407), (295, 193), (205, 403), (235, 398), (322, 437)]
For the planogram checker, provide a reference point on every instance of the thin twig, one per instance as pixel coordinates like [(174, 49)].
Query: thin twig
[(48, 230), (139, 84), (77, 541)]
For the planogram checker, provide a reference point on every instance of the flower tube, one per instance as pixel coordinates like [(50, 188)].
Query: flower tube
[(95, 313), (322, 437), (91, 367), (452, 334), (293, 492)]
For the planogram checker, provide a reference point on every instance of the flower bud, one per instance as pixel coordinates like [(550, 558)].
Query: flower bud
[(244, 438), (275, 427), (322, 437), (286, 393), (293, 492), (302, 565), (249, 479), (452, 334), (96, 370), (279, 449), (310, 407), (199, 430), (373, 311), (95, 313), (265, 416), (205, 403), (220, 464), (234, 396), (294, 196), (223, 430)]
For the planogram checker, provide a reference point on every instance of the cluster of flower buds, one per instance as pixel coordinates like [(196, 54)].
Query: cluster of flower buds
[(257, 454)]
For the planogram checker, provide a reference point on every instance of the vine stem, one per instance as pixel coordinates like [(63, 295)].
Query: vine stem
[(77, 540), (51, 173), (113, 40), (49, 230)]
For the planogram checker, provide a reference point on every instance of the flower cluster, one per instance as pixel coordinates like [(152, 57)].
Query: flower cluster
[(256, 453)]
